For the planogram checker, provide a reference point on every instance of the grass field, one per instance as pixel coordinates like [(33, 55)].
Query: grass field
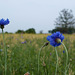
[(22, 55)]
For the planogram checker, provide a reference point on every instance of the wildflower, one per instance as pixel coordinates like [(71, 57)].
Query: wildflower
[(22, 42), (3, 22), (63, 51), (55, 39)]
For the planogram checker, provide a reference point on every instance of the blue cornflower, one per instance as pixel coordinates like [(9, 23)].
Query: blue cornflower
[(3, 22), (22, 42), (63, 51), (55, 39)]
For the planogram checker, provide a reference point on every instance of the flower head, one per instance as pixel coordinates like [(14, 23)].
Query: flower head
[(22, 42), (63, 51), (3, 22), (55, 39)]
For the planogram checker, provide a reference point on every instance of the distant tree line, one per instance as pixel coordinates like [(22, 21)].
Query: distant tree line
[(63, 30), (31, 30)]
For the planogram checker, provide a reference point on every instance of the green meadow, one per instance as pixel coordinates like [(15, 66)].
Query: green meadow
[(22, 55)]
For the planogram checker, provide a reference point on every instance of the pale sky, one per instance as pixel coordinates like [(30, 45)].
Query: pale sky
[(37, 14)]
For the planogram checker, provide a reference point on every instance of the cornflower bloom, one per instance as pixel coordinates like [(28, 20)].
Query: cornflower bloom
[(56, 40)]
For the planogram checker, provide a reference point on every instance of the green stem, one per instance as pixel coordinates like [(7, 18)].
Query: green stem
[(39, 58), (5, 52), (39, 54), (57, 61), (66, 58)]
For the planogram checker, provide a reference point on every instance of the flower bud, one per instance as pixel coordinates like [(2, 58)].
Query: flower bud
[(46, 44)]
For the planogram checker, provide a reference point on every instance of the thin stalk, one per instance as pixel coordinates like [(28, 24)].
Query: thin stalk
[(66, 58), (39, 54), (57, 61), (5, 53), (39, 58)]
